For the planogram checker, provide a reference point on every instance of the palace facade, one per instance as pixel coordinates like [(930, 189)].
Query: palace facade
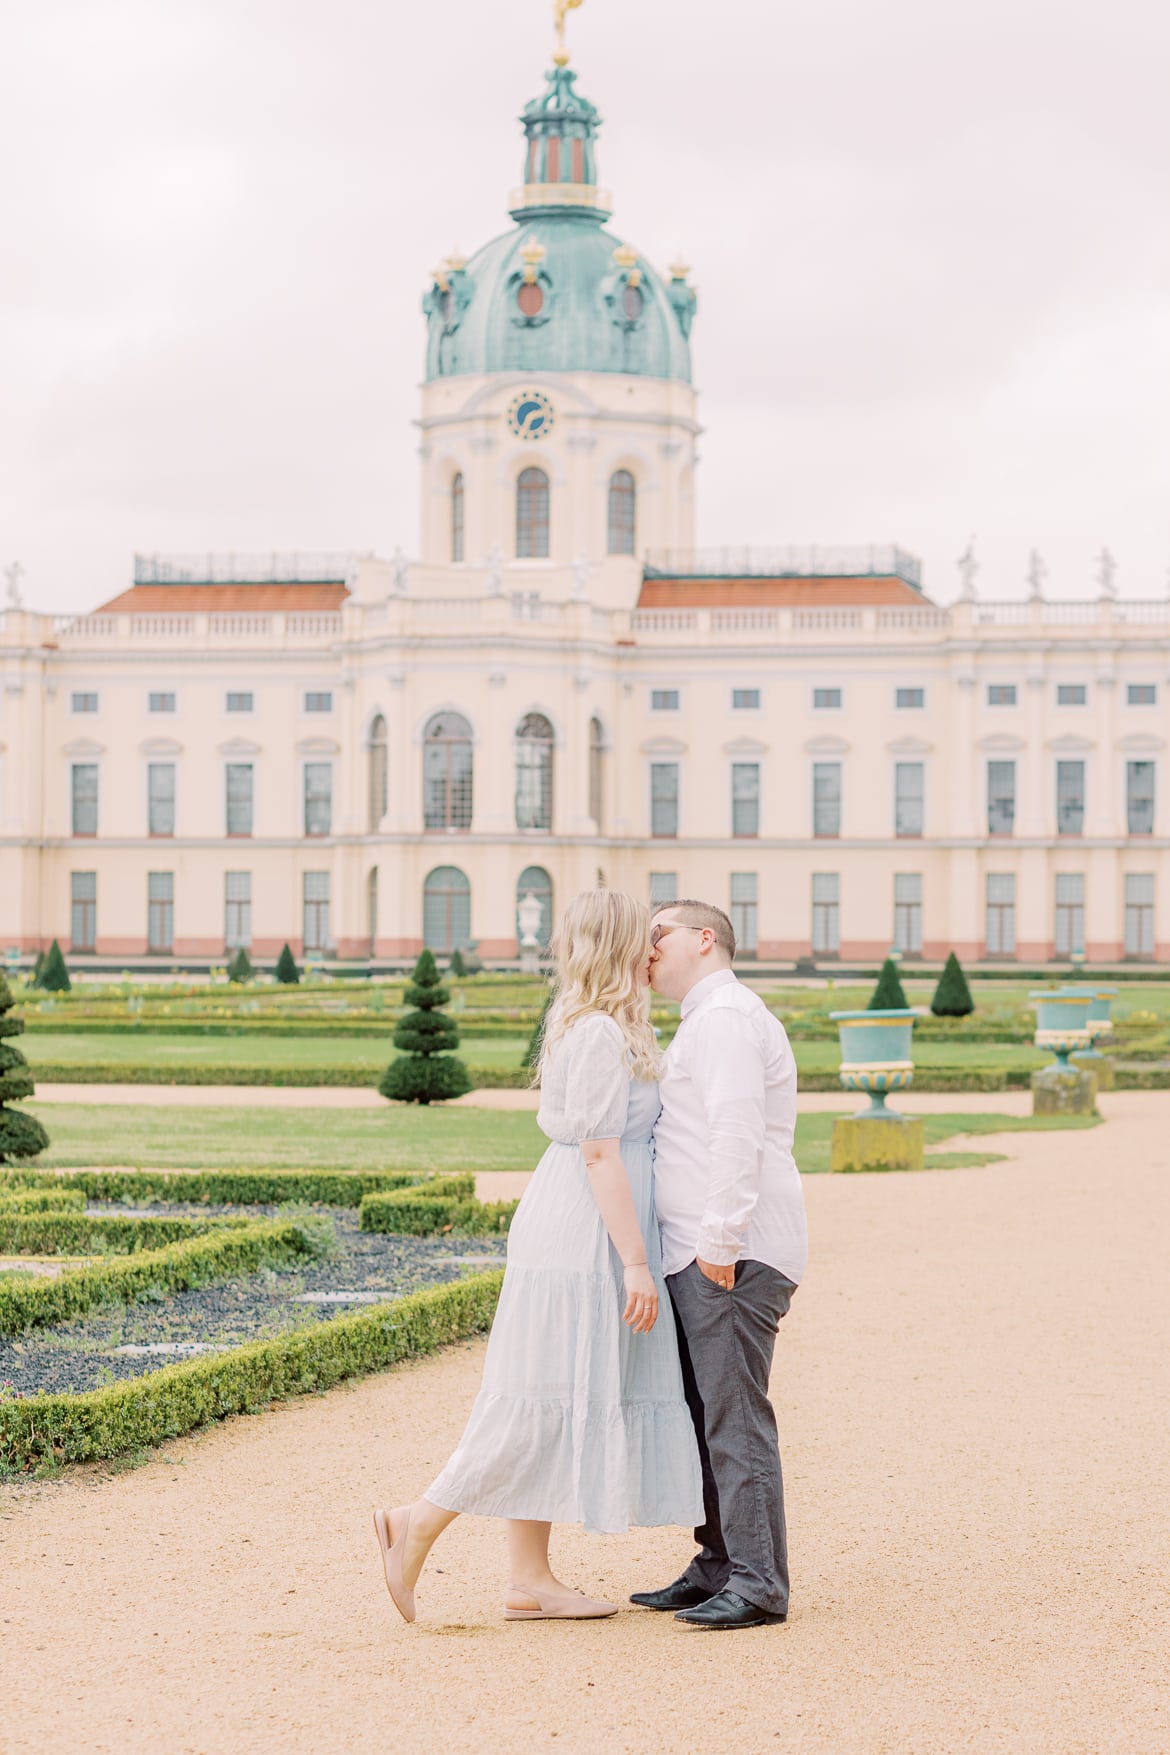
[(362, 756)]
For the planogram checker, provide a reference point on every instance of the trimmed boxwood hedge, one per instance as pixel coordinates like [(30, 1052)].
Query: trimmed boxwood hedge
[(195, 1262), (243, 1188), (483, 1078), (419, 1213), (41, 1200), (164, 1404), (98, 1234)]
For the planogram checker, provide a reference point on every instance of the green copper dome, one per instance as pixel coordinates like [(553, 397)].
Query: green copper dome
[(559, 292)]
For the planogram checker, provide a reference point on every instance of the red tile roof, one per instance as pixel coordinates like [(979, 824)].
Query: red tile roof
[(223, 599), (765, 593)]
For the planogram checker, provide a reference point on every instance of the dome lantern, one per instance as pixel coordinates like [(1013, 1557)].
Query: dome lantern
[(560, 159)]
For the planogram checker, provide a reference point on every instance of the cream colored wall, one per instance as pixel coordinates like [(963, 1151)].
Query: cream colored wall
[(408, 659)]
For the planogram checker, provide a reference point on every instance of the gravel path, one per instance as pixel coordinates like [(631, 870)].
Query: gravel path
[(972, 1394)]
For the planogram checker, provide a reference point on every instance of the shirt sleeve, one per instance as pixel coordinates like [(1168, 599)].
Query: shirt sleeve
[(732, 1086), (597, 1080)]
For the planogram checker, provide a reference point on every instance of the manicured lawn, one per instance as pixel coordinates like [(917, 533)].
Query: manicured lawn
[(137, 1048), (178, 1137)]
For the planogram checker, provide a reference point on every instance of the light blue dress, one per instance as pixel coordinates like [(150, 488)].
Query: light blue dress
[(579, 1419)]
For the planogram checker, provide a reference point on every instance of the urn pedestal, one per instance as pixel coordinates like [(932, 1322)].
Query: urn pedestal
[(1062, 1024), (875, 1059)]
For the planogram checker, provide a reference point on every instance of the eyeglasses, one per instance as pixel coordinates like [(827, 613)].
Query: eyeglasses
[(659, 932)]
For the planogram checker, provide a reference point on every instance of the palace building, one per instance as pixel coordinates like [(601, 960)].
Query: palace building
[(363, 756)]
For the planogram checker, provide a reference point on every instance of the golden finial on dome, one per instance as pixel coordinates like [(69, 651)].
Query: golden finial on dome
[(679, 269), (560, 8), (532, 255), (441, 281), (625, 256), (456, 261)]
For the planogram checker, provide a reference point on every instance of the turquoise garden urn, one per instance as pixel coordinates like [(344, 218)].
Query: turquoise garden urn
[(1100, 1021), (875, 1054), (1062, 1021)]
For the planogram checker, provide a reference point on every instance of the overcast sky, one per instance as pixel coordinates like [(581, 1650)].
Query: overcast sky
[(931, 244)]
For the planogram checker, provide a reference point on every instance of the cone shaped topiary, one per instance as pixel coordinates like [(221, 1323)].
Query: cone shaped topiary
[(426, 1070), (54, 977), (286, 968), (21, 1136), (952, 996), (34, 979), (888, 995), (241, 967), (457, 966), (537, 1036)]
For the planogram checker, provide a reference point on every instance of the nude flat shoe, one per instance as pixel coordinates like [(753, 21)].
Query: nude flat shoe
[(392, 1552), (578, 1608)]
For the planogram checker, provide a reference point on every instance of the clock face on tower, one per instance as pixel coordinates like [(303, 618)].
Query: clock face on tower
[(531, 415)]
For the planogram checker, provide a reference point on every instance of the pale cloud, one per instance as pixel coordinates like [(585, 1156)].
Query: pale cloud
[(931, 246)]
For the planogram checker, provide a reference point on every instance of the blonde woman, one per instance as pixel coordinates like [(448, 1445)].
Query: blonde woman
[(581, 1417)]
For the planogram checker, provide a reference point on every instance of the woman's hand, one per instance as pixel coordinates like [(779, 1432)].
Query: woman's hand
[(641, 1311)]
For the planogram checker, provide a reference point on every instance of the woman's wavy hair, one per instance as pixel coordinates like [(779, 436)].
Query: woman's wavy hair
[(601, 942)]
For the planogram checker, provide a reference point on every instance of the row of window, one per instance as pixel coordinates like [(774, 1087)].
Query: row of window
[(239, 793), (832, 700), (234, 701), (532, 515), (446, 909)]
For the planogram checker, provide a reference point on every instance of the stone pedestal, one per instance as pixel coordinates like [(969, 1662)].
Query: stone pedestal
[(1064, 1090), (1099, 1065), (885, 1142)]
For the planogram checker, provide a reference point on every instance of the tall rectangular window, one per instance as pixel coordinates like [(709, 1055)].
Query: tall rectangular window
[(1001, 798), (1071, 694), (827, 799), (1070, 798), (745, 700), (160, 911), (1001, 914), (84, 703), (84, 797), (745, 798), (240, 701), (1139, 798), (663, 888), (826, 926), (160, 701), (1139, 914), (664, 700), (908, 912), (664, 799), (1141, 694), (319, 701), (826, 700), (315, 933), (909, 698), (83, 915), (238, 800), (1070, 913), (237, 910), (745, 911), (318, 798), (160, 791), (1001, 694), (909, 799)]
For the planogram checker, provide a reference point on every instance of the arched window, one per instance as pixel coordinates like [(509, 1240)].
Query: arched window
[(534, 881), (372, 909), (457, 517), (534, 773), (447, 772), (596, 770), (621, 513), (532, 515), (446, 910), (378, 770)]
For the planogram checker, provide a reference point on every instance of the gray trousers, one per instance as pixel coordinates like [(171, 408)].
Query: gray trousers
[(726, 1341)]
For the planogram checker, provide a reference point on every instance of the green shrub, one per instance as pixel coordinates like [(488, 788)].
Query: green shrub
[(21, 1135), (241, 970), (426, 1071), (457, 966), (38, 970), (99, 1233), (952, 996), (438, 1206), (197, 1261), (164, 1404), (888, 995), (334, 1188), (41, 1200), (286, 968), (54, 975), (484, 1078)]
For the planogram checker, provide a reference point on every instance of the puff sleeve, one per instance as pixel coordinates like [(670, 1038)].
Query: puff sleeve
[(597, 1080)]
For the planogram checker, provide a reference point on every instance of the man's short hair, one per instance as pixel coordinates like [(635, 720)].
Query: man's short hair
[(703, 914)]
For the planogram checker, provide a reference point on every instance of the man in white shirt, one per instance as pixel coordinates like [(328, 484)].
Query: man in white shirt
[(734, 1247)]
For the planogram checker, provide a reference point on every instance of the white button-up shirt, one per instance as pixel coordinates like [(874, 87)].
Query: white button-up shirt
[(726, 1183)]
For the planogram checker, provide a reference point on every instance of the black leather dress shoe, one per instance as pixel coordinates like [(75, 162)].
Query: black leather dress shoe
[(729, 1610), (682, 1594)]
